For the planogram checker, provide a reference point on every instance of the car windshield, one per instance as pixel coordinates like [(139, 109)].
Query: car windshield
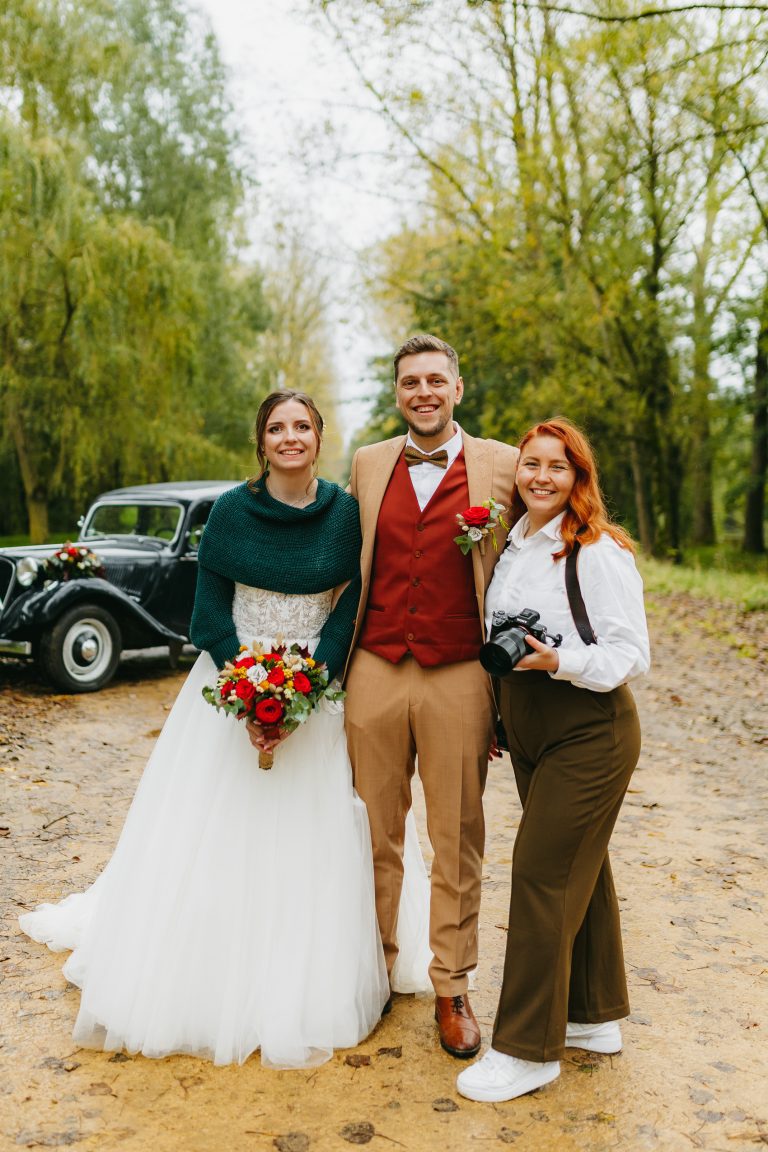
[(160, 521)]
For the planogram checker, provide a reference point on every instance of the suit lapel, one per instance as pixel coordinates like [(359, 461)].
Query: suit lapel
[(479, 461), (478, 458), (380, 468)]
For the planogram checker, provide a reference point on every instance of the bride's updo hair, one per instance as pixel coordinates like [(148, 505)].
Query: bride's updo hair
[(264, 415)]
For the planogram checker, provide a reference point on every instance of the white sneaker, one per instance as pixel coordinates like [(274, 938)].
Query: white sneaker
[(499, 1077), (594, 1037)]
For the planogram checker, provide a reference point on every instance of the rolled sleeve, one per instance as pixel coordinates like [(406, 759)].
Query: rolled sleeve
[(613, 595)]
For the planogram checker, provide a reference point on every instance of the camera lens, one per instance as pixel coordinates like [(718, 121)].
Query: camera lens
[(499, 656)]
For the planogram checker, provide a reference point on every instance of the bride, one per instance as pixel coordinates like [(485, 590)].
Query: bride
[(237, 911)]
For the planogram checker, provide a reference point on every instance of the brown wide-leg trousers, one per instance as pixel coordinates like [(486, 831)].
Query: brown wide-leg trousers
[(443, 715), (573, 752)]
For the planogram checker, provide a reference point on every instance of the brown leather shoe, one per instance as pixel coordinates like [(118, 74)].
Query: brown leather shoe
[(459, 1031)]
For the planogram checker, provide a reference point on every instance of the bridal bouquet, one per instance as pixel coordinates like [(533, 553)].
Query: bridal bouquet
[(277, 688)]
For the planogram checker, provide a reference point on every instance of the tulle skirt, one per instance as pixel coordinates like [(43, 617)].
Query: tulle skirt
[(237, 911)]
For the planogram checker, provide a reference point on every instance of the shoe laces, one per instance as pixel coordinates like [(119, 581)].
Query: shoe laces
[(457, 1003)]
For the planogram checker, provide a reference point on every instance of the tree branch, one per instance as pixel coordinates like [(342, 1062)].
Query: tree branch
[(643, 14)]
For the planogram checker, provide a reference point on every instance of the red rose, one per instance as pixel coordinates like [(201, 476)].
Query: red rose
[(276, 677), (269, 711), (302, 683), (226, 689), (245, 691), (476, 516), (245, 662)]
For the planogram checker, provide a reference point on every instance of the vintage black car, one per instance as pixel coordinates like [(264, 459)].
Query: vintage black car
[(146, 539)]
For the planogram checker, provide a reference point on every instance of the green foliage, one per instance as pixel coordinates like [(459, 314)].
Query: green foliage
[(128, 333), (728, 581), (590, 238)]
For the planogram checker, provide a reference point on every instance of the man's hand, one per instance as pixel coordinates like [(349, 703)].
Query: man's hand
[(265, 739), (543, 659), (494, 752)]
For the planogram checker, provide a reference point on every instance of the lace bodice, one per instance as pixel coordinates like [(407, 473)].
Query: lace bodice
[(262, 615)]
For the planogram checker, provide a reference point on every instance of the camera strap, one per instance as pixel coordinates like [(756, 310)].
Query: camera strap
[(575, 598)]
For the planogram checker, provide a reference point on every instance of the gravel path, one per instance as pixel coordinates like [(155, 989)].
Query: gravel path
[(690, 858)]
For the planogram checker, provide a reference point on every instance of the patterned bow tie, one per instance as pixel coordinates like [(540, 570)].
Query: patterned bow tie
[(415, 456)]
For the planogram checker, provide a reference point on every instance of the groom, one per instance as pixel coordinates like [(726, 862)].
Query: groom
[(415, 687)]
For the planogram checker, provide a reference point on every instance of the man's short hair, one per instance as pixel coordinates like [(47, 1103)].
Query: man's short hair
[(423, 342)]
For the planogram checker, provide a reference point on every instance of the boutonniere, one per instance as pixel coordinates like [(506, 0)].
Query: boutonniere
[(477, 522)]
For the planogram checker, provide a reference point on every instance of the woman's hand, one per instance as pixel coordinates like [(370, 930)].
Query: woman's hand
[(543, 659), (263, 738)]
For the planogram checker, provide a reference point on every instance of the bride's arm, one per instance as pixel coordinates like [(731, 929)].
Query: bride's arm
[(338, 591), (212, 627), (335, 639), (336, 634)]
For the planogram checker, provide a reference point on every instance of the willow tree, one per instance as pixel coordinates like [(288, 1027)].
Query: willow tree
[(97, 321), (126, 325)]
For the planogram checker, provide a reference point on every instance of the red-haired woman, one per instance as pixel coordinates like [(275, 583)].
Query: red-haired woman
[(574, 741)]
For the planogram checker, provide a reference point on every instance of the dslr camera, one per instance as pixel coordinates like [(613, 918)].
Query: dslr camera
[(506, 644)]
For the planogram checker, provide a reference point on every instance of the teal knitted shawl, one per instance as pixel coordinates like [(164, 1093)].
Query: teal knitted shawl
[(253, 539)]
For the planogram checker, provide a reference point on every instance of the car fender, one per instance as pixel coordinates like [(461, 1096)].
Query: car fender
[(41, 607)]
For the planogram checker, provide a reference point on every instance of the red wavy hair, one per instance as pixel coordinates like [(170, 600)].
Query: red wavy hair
[(585, 514)]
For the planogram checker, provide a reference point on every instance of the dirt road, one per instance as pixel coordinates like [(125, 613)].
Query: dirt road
[(690, 858)]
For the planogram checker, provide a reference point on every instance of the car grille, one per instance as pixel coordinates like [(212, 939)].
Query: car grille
[(127, 577), (7, 571)]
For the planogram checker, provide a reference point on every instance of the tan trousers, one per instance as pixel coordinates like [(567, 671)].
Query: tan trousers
[(444, 715), (573, 752)]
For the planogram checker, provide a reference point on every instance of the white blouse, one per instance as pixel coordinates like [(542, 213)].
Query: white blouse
[(612, 588)]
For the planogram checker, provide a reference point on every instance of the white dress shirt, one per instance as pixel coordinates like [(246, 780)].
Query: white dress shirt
[(612, 588), (426, 477)]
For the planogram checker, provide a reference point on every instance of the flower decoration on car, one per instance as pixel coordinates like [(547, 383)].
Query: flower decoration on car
[(72, 562), (478, 523)]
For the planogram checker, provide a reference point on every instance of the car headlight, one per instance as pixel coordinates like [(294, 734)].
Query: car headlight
[(26, 571)]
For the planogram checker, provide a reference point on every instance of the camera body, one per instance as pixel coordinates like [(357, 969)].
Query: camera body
[(506, 644)]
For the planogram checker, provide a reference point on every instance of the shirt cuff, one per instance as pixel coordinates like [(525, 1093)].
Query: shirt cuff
[(572, 664)]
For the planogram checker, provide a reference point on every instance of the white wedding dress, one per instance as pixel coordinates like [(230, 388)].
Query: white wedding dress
[(237, 911)]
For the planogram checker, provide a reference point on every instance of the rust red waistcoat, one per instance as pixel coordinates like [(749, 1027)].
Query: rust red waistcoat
[(422, 593)]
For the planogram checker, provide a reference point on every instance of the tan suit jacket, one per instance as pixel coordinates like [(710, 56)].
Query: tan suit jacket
[(491, 468), (384, 734)]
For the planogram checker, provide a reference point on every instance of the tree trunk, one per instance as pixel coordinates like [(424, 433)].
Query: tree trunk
[(754, 527), (35, 493), (701, 462), (643, 501), (671, 451), (37, 511), (701, 465), (662, 460)]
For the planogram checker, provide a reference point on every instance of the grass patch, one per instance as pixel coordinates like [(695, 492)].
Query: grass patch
[(22, 541), (706, 579)]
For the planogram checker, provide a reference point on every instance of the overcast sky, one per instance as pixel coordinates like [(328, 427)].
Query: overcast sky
[(297, 101)]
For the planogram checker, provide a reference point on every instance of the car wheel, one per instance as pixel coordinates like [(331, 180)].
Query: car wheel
[(82, 649)]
